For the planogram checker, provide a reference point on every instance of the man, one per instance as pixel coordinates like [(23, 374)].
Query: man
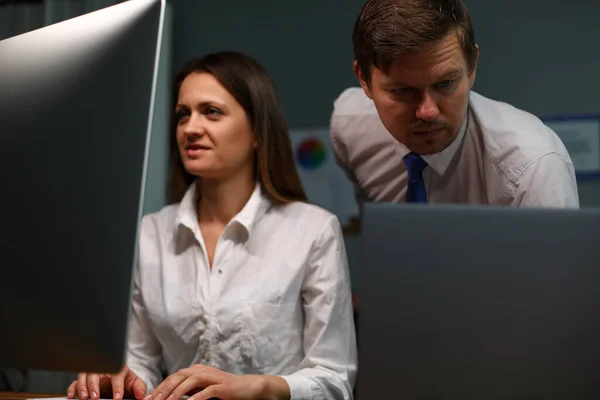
[(416, 132)]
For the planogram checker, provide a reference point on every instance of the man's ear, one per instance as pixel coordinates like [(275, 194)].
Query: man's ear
[(361, 79)]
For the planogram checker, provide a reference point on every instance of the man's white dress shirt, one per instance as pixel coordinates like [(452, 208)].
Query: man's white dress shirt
[(502, 156)]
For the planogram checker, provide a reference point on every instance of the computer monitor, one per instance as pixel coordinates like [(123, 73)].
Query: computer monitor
[(479, 302), (76, 104)]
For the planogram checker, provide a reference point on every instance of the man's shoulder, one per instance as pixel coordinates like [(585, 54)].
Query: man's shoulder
[(494, 116), (513, 138), (354, 114), (353, 101), (356, 130)]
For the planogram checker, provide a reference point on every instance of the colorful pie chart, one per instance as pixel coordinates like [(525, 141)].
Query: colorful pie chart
[(311, 153)]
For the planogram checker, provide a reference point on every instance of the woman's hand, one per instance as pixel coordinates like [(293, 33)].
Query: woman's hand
[(204, 383), (125, 384)]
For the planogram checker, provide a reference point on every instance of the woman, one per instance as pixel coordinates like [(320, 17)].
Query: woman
[(242, 289)]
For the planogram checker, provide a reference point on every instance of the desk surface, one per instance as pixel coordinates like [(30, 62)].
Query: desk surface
[(22, 395)]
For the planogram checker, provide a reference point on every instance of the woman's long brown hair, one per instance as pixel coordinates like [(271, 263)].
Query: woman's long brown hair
[(249, 83)]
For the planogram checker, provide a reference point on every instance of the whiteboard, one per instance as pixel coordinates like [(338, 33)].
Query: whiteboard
[(325, 184), (581, 137)]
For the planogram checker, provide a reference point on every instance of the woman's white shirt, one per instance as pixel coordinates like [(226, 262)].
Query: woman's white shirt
[(277, 300)]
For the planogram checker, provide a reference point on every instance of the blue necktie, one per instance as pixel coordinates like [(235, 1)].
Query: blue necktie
[(415, 165)]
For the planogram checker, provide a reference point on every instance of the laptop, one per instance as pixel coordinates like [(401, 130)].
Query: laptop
[(479, 302)]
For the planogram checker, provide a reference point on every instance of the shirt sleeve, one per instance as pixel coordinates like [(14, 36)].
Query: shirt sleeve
[(328, 370), (144, 352), (341, 158), (548, 182)]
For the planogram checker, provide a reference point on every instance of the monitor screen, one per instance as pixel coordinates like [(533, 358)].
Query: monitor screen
[(76, 105)]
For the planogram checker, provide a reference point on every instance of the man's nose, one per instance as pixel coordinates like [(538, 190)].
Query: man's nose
[(427, 110)]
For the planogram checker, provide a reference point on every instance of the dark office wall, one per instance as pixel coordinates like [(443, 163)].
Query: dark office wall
[(305, 45), (540, 55)]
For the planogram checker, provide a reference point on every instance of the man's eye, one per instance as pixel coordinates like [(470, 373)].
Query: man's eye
[(446, 83), (402, 91)]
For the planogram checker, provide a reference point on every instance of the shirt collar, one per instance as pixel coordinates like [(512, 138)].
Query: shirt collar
[(253, 210), (439, 161), (187, 213)]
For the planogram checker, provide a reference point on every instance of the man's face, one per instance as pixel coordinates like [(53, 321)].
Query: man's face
[(423, 99)]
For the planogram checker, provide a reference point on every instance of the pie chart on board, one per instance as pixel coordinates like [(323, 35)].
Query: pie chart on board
[(311, 154)]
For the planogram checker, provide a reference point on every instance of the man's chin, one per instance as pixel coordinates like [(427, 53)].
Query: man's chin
[(426, 149), (427, 146)]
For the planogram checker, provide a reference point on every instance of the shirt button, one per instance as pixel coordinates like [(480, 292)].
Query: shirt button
[(220, 271)]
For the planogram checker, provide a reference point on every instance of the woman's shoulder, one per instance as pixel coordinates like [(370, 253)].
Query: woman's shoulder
[(305, 209), (160, 221), (301, 231), (305, 217)]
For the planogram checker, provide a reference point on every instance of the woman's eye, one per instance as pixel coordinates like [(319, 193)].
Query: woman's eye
[(179, 115), (213, 111)]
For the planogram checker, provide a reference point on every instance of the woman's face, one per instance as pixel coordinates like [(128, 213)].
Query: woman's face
[(214, 135)]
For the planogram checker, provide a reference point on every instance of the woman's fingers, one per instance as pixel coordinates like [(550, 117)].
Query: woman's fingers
[(166, 387), (72, 390), (97, 386), (93, 386), (211, 392), (82, 389), (118, 385), (193, 382), (138, 388)]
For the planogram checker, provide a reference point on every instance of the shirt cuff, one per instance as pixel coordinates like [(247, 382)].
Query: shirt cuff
[(301, 387)]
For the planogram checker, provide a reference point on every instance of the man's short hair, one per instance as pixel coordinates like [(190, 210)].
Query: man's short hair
[(387, 29)]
